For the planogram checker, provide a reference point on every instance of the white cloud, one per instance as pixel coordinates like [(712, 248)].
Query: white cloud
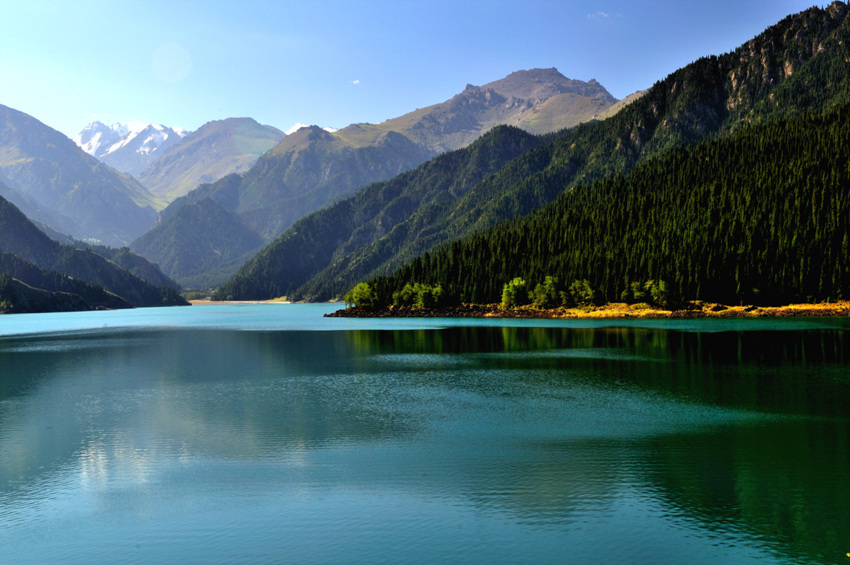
[(300, 125), (355, 81), (295, 128), (597, 15)]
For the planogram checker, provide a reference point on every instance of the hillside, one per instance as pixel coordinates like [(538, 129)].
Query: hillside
[(759, 217), (227, 241), (214, 150), (48, 291), (92, 201), (797, 65), (536, 100), (20, 238)]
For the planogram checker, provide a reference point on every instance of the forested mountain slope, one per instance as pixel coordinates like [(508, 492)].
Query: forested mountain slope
[(800, 64), (314, 242), (761, 216), (19, 237), (48, 291), (195, 240)]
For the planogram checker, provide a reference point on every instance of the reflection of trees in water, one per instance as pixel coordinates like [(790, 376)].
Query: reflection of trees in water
[(247, 395), (787, 484), (793, 372)]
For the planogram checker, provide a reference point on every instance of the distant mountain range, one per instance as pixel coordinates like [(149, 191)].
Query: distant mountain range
[(130, 147), (213, 151), (313, 167), (54, 181), (170, 162)]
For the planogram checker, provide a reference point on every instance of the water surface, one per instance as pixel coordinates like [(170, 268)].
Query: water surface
[(268, 434)]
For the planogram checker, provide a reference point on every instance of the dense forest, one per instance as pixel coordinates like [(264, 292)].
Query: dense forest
[(761, 216)]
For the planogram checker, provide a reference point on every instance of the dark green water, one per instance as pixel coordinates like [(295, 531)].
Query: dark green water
[(254, 438)]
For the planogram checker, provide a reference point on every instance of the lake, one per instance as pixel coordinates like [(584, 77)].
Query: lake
[(269, 434)]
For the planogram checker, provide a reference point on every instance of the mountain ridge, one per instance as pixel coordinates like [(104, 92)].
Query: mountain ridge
[(21, 238), (312, 167), (213, 151)]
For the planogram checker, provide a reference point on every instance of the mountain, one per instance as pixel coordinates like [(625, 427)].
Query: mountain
[(313, 167), (48, 291), (761, 216), (20, 238), (129, 148), (215, 150), (797, 65), (121, 256), (90, 200), (207, 235)]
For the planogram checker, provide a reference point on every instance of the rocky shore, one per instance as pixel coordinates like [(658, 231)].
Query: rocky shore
[(694, 310)]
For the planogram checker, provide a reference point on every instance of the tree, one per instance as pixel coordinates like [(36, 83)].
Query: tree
[(545, 294), (514, 293), (582, 293), (361, 296)]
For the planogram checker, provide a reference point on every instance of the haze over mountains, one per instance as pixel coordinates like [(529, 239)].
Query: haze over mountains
[(56, 182), (313, 167)]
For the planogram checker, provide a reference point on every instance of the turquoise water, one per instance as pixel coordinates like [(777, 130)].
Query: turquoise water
[(269, 434)]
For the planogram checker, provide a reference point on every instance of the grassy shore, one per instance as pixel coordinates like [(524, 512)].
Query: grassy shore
[(612, 310)]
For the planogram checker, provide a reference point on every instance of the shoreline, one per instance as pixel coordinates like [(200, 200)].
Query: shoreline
[(219, 302), (607, 311)]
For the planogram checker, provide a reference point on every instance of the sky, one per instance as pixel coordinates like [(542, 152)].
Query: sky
[(183, 63)]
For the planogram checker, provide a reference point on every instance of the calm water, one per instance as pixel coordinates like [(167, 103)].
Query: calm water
[(268, 434)]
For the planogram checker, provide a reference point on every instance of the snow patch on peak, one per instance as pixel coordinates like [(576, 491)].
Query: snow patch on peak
[(127, 146)]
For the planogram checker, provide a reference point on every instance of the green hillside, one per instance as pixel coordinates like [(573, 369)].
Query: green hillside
[(49, 291)]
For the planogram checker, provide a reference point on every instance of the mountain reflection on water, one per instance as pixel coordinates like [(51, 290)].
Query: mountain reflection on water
[(505, 443)]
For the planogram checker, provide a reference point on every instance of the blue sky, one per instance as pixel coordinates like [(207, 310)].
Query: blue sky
[(183, 63)]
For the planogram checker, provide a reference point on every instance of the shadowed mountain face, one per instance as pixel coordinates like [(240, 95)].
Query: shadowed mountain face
[(68, 188), (30, 256), (312, 167)]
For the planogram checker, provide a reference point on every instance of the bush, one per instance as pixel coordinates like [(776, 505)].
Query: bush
[(581, 293)]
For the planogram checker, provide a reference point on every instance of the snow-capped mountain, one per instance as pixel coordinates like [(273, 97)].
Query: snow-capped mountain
[(129, 147)]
